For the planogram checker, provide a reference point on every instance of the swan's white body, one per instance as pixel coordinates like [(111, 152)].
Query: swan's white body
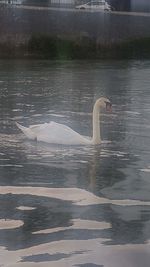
[(56, 133)]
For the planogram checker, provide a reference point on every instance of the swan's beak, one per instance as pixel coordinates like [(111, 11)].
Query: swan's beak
[(108, 106)]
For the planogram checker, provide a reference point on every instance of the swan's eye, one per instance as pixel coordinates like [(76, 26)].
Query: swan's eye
[(108, 106)]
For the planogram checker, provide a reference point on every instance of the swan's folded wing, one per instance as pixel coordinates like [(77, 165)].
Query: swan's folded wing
[(58, 133), (38, 127)]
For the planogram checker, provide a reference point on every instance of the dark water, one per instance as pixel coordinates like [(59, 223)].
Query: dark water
[(75, 206)]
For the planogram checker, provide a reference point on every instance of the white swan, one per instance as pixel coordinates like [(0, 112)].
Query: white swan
[(56, 133)]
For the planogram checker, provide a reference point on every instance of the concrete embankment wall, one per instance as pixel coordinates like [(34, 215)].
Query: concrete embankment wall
[(18, 24)]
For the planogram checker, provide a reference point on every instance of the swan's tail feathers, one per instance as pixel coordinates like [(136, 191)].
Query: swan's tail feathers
[(27, 132)]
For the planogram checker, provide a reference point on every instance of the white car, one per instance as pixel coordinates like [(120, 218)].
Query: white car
[(95, 5)]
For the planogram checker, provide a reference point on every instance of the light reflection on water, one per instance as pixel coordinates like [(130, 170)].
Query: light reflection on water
[(78, 200)]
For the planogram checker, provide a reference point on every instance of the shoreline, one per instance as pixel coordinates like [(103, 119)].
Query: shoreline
[(30, 32), (48, 47)]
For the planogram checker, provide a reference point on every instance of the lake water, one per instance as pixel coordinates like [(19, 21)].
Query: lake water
[(75, 206)]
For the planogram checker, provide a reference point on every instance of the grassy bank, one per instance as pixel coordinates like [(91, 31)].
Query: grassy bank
[(47, 47)]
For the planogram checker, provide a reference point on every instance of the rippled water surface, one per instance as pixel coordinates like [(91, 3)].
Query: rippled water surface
[(75, 205)]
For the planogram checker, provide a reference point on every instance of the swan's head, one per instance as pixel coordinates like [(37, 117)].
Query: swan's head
[(104, 103)]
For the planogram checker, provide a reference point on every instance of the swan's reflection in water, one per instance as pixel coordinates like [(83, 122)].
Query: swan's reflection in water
[(66, 223)]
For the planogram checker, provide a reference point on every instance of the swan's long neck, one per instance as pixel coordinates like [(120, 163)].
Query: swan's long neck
[(96, 124)]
